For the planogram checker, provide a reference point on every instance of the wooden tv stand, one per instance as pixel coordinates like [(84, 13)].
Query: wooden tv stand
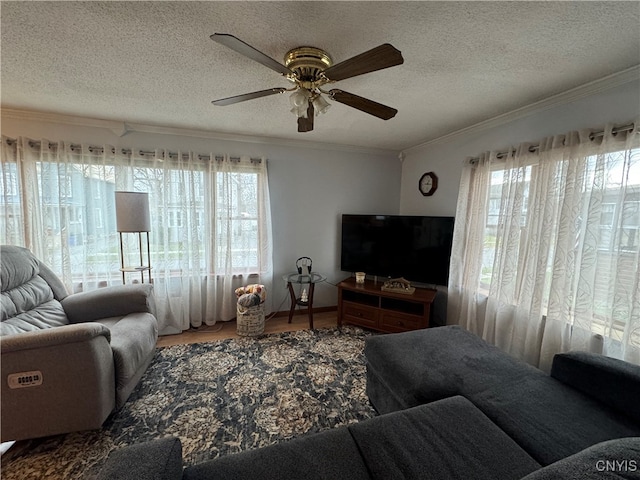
[(366, 305)]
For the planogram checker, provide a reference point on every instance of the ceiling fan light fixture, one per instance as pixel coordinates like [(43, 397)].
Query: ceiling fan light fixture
[(300, 112), (299, 98), (320, 104)]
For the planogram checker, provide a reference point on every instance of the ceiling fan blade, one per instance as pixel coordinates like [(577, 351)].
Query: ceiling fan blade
[(378, 58), (306, 124), (247, 96), (248, 51), (363, 104)]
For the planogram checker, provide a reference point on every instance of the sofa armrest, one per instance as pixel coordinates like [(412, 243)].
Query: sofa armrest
[(116, 301), (52, 337), (614, 382), (617, 459), (155, 460), (74, 387)]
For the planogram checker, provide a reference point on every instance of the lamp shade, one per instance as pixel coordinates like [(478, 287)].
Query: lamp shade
[(132, 212)]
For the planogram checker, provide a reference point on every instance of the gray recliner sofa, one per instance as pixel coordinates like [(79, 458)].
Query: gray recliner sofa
[(67, 361)]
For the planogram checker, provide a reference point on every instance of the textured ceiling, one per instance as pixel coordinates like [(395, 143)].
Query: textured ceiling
[(153, 62)]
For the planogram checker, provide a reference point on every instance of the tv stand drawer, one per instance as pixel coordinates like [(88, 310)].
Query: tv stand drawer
[(397, 322), (362, 315)]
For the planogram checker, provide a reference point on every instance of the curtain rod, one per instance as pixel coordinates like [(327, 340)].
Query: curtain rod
[(126, 151), (534, 148)]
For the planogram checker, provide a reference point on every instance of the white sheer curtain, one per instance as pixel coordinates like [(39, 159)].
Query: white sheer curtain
[(210, 221), (547, 245)]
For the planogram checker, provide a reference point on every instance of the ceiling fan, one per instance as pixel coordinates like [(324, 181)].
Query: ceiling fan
[(309, 69)]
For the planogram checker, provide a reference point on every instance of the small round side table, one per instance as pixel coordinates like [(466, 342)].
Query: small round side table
[(302, 279)]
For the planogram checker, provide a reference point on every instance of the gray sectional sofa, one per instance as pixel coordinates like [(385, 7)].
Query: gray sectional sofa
[(587, 398), (451, 407)]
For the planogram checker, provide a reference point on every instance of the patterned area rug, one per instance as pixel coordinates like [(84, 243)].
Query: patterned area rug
[(219, 398)]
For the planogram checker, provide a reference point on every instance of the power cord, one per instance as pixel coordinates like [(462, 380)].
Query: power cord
[(273, 314), (208, 328)]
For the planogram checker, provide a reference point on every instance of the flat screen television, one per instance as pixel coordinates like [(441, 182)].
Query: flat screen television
[(414, 247)]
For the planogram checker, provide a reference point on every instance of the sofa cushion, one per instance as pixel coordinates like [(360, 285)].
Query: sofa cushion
[(412, 368), (133, 340), (18, 267), (449, 438), (550, 420), (327, 455), (612, 460), (614, 382), (30, 307), (46, 315), (27, 302)]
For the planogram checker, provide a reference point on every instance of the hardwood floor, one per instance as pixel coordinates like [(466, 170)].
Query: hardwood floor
[(224, 330)]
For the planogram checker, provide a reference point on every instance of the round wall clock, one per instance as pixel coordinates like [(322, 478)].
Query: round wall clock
[(428, 184)]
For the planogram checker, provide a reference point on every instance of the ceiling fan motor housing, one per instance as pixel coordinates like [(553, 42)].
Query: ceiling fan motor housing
[(307, 63)]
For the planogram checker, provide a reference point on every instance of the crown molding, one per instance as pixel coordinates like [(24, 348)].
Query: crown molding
[(283, 142), (586, 90), (121, 129), (117, 128)]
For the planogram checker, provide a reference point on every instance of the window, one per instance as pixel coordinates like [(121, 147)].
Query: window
[(11, 220), (501, 212), (610, 194), (630, 235), (549, 238), (191, 204), (99, 224), (236, 200), (175, 219), (210, 221), (9, 181), (607, 217)]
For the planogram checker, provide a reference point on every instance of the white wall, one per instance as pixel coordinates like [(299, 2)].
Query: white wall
[(618, 105), (309, 191), (310, 188)]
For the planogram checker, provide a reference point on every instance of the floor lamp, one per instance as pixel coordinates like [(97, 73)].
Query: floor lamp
[(132, 216)]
